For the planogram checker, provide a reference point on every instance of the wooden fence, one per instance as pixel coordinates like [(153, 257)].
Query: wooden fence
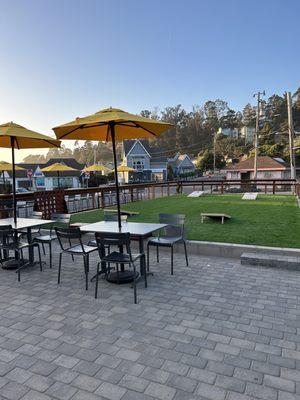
[(54, 200)]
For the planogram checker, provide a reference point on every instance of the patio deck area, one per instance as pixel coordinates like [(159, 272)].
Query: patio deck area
[(216, 330)]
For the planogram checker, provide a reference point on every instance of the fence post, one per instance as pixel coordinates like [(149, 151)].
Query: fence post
[(274, 187), (131, 195), (162, 191), (168, 190), (222, 187), (153, 192), (102, 199)]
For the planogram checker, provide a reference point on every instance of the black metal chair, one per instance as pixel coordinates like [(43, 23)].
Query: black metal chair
[(10, 241), (78, 249), (108, 216), (173, 233), (121, 240)]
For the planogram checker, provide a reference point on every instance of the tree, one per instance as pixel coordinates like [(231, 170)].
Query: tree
[(205, 161)]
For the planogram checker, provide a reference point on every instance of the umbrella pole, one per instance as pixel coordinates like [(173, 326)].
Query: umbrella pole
[(12, 142), (112, 131)]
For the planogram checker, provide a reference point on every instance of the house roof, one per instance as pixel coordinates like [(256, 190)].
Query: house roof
[(264, 163), (70, 162), (155, 153)]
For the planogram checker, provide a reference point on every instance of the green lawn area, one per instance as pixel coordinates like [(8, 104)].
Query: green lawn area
[(269, 220)]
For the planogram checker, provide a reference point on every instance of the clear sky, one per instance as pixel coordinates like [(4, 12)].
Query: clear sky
[(60, 59)]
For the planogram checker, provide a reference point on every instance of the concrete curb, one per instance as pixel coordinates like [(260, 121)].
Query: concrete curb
[(233, 250)]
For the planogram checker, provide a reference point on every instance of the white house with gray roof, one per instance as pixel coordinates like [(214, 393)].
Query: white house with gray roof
[(149, 162)]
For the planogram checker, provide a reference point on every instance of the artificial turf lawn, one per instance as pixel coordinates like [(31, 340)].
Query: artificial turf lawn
[(269, 220)]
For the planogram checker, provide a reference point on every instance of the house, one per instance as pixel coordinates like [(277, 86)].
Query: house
[(247, 132), (229, 132), (149, 162), (32, 177), (181, 164), (267, 168)]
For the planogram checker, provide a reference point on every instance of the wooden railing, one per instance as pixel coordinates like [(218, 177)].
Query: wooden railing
[(54, 200)]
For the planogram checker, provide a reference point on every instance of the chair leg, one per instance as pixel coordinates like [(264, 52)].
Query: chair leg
[(134, 283), (157, 254), (172, 260), (43, 246), (186, 257), (19, 267), (59, 268), (86, 270), (40, 258), (144, 270), (97, 279), (50, 254), (148, 262)]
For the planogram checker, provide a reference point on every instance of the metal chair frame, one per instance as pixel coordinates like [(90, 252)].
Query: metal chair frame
[(121, 240), (173, 233), (74, 250), (10, 241)]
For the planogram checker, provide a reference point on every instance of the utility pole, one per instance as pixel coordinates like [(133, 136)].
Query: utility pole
[(291, 134), (258, 94), (214, 153)]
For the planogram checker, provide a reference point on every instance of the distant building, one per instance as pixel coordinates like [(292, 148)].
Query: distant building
[(247, 132), (229, 132), (32, 176), (149, 163), (181, 164), (267, 168)]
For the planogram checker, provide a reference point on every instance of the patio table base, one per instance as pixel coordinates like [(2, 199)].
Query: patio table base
[(125, 276)]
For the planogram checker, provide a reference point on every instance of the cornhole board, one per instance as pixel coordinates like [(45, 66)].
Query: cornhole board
[(220, 217), (196, 194), (124, 212), (249, 196)]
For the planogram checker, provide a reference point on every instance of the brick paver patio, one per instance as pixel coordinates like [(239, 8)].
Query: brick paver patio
[(216, 330)]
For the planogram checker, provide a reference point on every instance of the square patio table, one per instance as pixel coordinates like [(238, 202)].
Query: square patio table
[(139, 230), (28, 224)]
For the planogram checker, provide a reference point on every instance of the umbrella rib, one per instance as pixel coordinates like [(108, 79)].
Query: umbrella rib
[(137, 126), (83, 126)]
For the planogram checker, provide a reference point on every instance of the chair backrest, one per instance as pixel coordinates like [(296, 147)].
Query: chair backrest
[(61, 218), (175, 224), (113, 239), (68, 234)]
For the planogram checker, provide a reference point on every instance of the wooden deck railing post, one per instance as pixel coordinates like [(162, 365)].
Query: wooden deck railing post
[(153, 192), (102, 198), (274, 187), (168, 190)]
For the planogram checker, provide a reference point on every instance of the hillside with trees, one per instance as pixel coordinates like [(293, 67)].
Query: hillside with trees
[(194, 132)]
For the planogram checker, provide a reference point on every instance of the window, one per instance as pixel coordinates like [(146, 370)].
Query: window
[(138, 164), (63, 182), (40, 182)]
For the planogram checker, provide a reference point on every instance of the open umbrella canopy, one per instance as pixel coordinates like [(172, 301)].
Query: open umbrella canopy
[(58, 167), (124, 168), (24, 138), (15, 136), (5, 166), (112, 124), (98, 126), (97, 168)]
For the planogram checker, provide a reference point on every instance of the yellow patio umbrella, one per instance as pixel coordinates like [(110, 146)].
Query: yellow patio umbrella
[(124, 168), (5, 167), (97, 168), (15, 136), (112, 124), (58, 167)]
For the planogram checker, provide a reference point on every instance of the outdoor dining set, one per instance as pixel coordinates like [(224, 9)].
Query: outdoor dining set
[(116, 260)]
